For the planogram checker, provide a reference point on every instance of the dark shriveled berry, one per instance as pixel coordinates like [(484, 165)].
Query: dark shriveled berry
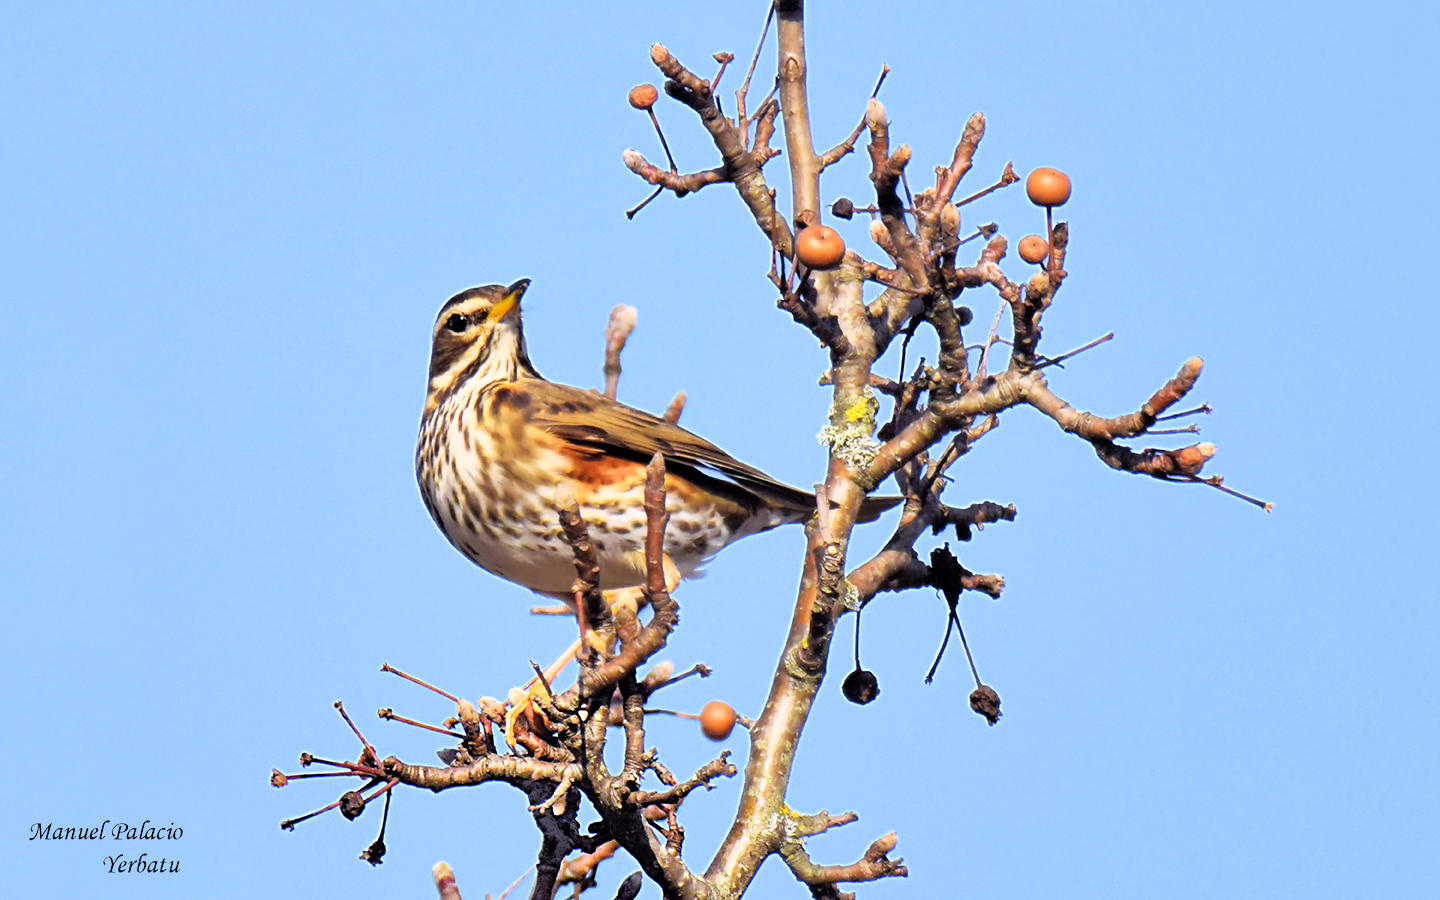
[(860, 686), (352, 804), (986, 702)]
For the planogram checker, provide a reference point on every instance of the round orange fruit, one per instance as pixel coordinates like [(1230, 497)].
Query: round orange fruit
[(1048, 187), (717, 720), (820, 247), (1033, 248)]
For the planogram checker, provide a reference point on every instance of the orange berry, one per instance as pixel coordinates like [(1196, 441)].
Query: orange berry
[(717, 720), (820, 247), (1033, 248), (1048, 187), (643, 96)]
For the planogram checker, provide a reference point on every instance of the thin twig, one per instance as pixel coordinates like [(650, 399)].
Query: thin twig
[(339, 705), (1202, 409), (1006, 178), (1076, 352), (630, 213), (411, 678), (741, 94), (1218, 485), (389, 715), (516, 883)]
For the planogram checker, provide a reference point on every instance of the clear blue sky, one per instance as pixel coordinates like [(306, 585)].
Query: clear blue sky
[(226, 230)]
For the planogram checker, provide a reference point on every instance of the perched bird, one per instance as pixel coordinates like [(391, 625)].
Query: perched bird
[(497, 441)]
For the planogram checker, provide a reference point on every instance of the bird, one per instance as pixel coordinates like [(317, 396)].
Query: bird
[(498, 442)]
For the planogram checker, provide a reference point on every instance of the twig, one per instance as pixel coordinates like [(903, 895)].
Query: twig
[(340, 706), (1007, 177), (590, 603), (847, 146), (1202, 409), (1076, 352), (514, 884), (676, 407), (1188, 429), (617, 332), (982, 369), (1216, 483), (706, 774), (411, 678), (874, 865), (741, 94), (390, 715), (544, 682), (698, 669), (630, 213)]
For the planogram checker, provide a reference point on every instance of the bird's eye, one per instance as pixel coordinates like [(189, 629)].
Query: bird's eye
[(457, 323)]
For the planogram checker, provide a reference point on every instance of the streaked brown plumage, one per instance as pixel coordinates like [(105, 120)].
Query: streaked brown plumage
[(497, 441)]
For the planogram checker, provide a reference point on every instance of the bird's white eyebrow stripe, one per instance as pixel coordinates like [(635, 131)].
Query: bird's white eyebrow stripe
[(470, 294)]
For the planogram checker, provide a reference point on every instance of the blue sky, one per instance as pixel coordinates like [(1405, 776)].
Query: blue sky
[(226, 230)]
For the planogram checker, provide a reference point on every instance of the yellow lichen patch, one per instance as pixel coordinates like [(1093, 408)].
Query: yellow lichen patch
[(863, 408), (849, 434)]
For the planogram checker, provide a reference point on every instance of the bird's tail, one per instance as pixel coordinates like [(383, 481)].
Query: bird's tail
[(874, 507), (801, 507)]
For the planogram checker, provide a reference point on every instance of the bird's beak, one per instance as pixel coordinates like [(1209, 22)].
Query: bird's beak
[(510, 301)]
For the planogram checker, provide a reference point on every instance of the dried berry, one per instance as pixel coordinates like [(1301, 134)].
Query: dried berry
[(843, 208), (986, 702), (643, 96), (860, 686), (717, 720), (352, 804), (1048, 187), (1033, 248)]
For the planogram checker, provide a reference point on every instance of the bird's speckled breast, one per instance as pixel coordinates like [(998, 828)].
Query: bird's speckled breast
[(489, 479)]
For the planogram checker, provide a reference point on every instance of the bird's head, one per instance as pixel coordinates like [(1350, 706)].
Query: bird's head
[(478, 338)]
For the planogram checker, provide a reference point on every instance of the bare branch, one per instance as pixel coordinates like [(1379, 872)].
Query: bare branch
[(702, 778), (795, 106), (740, 166), (847, 146), (666, 612), (509, 769), (949, 178), (590, 603), (674, 181), (885, 170), (874, 865), (976, 516), (1092, 427), (1007, 177), (1039, 292)]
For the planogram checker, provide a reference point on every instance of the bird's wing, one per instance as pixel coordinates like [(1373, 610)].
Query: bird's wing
[(591, 420)]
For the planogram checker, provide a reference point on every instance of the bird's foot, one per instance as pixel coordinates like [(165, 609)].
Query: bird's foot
[(521, 701)]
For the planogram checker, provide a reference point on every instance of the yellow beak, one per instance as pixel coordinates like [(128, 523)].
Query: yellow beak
[(510, 301)]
